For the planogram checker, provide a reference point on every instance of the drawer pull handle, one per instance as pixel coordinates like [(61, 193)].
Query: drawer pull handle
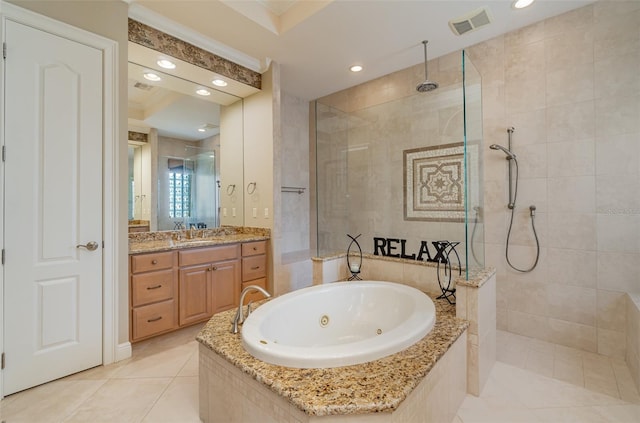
[(214, 268), (154, 287), (154, 261), (255, 268), (255, 248), (155, 319)]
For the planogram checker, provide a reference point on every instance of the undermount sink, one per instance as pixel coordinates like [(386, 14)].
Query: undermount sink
[(196, 241)]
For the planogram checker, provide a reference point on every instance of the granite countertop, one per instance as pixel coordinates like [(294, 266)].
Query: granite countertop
[(477, 277), (373, 387), (148, 242)]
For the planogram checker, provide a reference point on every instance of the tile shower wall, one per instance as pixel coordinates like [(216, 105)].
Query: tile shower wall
[(294, 267), (570, 85), (361, 135), (295, 173)]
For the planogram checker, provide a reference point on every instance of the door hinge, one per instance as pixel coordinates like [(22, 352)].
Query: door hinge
[(4, 153), (4, 50), (2, 364), (3, 256)]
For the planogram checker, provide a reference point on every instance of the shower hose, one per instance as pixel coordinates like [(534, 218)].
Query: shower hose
[(532, 212)]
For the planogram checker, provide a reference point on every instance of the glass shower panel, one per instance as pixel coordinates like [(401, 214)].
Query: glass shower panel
[(331, 179), (365, 159), (403, 171), (474, 216)]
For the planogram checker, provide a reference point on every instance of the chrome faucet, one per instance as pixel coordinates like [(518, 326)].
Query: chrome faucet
[(239, 317)]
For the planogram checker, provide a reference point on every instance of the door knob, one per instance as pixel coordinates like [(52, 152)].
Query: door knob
[(91, 246)]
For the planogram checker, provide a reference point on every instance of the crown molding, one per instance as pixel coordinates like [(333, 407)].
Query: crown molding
[(164, 24)]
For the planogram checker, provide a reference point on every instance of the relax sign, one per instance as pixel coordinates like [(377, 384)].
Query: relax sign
[(394, 247)]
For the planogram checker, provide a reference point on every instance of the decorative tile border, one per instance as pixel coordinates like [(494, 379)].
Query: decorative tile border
[(149, 37), (138, 136)]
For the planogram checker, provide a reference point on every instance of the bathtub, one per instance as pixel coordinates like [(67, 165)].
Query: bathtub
[(338, 324)]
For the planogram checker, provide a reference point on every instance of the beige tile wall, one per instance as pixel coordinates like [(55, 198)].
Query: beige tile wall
[(570, 85), (361, 135), (295, 173), (477, 304)]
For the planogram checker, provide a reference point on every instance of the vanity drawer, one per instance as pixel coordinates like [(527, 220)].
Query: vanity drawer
[(194, 256), (152, 319), (152, 287), (154, 261), (253, 295), (254, 248), (254, 267)]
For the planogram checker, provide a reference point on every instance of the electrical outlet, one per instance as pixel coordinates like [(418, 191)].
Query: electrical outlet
[(266, 212), (233, 211), (255, 212)]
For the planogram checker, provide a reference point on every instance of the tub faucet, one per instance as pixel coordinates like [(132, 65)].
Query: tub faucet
[(239, 317)]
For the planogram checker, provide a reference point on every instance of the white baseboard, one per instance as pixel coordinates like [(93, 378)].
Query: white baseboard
[(123, 351)]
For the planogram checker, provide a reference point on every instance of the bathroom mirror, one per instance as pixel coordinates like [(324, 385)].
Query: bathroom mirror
[(180, 133)]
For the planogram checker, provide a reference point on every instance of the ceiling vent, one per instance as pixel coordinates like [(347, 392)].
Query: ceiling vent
[(470, 22), (143, 86)]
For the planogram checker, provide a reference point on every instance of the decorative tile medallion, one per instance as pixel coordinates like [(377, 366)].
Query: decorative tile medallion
[(434, 183), (149, 37)]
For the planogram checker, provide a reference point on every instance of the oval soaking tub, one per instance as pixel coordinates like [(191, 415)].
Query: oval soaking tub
[(338, 324)]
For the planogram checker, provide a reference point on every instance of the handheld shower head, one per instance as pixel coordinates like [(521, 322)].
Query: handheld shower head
[(506, 151)]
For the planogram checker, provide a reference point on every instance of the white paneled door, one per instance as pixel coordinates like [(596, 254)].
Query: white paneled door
[(53, 207)]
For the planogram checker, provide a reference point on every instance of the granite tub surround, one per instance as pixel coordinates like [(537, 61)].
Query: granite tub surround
[(380, 386), (147, 242), (477, 277)]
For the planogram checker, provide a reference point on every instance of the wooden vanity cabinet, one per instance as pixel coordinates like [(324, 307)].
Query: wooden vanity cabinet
[(254, 268), (172, 289), (153, 294), (209, 281)]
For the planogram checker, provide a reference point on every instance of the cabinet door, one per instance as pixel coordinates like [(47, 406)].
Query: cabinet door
[(225, 285), (195, 294)]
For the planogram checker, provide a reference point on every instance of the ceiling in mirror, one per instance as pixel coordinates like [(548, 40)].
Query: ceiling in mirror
[(172, 106), (182, 102)]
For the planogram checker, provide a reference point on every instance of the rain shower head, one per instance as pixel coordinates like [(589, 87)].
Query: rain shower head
[(506, 151), (427, 85)]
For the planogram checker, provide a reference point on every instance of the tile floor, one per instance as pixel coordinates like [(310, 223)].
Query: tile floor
[(536, 381), (533, 381), (159, 383)]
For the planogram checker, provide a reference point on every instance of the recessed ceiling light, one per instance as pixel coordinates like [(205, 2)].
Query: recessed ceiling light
[(167, 64), (202, 130), (203, 92), (151, 76), (521, 4), (356, 68), (219, 82)]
